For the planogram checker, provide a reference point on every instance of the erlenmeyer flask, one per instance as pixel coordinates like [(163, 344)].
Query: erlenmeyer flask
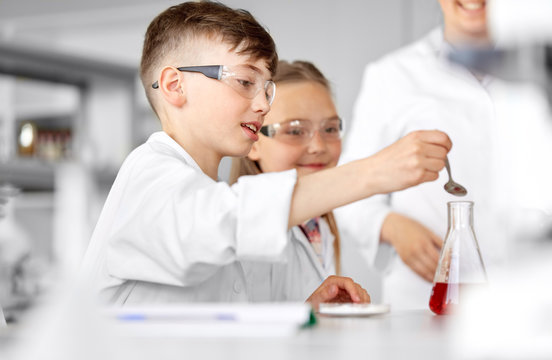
[(460, 265)]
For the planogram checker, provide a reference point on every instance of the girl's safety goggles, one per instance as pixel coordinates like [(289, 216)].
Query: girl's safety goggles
[(300, 132)]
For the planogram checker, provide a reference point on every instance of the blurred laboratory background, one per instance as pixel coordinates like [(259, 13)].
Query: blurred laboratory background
[(72, 108)]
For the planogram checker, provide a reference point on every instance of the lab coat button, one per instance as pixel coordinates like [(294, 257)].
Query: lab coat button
[(237, 287)]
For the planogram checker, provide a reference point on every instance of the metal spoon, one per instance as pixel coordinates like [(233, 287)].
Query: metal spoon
[(452, 187)]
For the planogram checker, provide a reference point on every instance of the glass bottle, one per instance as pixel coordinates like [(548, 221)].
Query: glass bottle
[(460, 265)]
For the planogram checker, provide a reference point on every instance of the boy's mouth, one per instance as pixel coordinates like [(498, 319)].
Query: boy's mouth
[(251, 127)]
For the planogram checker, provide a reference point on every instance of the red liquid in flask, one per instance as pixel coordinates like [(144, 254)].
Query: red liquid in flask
[(441, 301), (445, 297)]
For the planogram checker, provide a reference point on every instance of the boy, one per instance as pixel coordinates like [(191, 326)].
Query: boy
[(168, 231)]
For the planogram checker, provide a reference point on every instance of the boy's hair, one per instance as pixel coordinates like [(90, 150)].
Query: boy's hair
[(297, 71), (171, 32)]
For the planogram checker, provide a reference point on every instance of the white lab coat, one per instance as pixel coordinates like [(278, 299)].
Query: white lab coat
[(297, 277), (169, 233), (410, 89)]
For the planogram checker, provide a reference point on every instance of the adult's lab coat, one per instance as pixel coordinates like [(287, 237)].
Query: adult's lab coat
[(299, 275), (417, 88), (169, 233)]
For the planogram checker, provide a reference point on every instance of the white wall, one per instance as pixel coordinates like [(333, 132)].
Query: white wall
[(338, 36)]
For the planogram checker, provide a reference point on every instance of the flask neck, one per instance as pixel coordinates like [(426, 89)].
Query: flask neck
[(460, 214)]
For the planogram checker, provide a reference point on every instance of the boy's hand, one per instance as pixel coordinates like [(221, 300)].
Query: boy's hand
[(338, 289), (415, 158)]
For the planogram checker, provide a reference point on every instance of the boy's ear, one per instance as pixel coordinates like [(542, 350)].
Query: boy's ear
[(170, 86), (254, 152)]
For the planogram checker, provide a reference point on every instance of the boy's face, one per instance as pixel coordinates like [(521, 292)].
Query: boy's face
[(465, 17), (218, 120), (308, 101)]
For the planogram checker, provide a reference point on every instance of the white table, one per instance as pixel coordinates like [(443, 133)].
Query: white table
[(401, 335), (396, 335)]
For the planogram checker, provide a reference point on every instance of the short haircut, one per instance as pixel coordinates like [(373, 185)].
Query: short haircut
[(172, 30)]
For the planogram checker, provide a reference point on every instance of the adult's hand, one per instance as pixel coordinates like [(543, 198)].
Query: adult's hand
[(417, 246)]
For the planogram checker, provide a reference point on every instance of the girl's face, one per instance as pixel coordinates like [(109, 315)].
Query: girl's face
[(309, 102)]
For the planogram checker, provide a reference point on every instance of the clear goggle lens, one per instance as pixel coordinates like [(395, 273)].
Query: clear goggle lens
[(302, 131)]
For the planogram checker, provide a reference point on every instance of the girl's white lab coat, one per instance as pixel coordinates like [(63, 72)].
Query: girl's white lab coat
[(297, 277), (169, 233), (411, 89)]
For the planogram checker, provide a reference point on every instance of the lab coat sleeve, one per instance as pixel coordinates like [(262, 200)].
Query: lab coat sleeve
[(174, 225), (370, 131), (263, 213)]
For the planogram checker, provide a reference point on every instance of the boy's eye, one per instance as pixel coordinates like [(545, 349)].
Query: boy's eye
[(245, 83)]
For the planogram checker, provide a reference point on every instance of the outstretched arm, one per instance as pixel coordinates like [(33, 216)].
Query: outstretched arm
[(416, 158)]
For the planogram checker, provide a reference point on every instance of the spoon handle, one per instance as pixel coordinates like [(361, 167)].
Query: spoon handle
[(447, 165)]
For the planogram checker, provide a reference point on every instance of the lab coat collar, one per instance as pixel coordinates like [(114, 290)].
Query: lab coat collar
[(302, 239), (441, 48), (437, 44), (164, 138)]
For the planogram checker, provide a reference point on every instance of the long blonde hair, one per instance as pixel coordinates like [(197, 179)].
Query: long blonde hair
[(297, 71)]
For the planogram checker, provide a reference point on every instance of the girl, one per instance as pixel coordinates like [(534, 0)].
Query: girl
[(302, 131)]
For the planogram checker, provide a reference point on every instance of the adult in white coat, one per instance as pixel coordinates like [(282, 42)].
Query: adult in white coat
[(415, 88)]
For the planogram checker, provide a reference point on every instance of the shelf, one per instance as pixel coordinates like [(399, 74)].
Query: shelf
[(36, 61), (35, 200), (38, 175), (28, 174), (35, 99)]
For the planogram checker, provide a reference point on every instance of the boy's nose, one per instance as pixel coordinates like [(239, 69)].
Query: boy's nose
[(260, 103)]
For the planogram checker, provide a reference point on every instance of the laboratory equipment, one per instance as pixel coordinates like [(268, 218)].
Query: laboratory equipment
[(451, 186), (460, 269)]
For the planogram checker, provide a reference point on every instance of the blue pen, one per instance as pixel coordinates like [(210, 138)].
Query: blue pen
[(176, 317)]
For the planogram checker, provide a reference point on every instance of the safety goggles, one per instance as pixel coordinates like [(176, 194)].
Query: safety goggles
[(243, 79), (300, 132)]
